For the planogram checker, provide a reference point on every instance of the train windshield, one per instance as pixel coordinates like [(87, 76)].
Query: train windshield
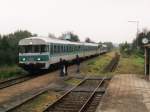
[(33, 48)]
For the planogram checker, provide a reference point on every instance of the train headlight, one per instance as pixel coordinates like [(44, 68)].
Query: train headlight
[(39, 59), (23, 59)]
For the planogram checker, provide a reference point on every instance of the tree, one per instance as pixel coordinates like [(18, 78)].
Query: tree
[(125, 48), (109, 45), (70, 36), (9, 46), (137, 42), (51, 35), (88, 40)]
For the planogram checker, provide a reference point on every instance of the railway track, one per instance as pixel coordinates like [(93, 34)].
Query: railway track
[(113, 64), (77, 101), (74, 100), (13, 81)]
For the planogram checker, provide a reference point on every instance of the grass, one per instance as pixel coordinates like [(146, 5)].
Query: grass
[(10, 71), (133, 64), (95, 66), (38, 104), (73, 81)]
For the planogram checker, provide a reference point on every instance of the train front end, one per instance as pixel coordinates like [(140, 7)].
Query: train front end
[(33, 54)]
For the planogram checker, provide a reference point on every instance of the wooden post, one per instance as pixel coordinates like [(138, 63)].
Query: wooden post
[(147, 62)]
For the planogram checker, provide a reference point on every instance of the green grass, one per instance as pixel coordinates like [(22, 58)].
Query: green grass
[(10, 71), (96, 65), (38, 104), (133, 64), (73, 81)]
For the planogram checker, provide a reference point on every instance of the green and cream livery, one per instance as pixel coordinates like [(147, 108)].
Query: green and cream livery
[(42, 52)]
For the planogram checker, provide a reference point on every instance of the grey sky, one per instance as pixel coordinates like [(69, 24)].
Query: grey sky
[(101, 20)]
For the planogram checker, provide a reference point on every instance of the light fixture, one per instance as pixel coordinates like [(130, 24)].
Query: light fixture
[(23, 59), (30, 43), (39, 59)]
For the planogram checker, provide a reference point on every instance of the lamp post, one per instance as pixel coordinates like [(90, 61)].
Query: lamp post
[(137, 23)]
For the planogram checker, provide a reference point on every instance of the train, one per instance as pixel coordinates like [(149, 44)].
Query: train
[(40, 53)]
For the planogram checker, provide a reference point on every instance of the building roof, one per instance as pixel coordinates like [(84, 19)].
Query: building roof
[(147, 45)]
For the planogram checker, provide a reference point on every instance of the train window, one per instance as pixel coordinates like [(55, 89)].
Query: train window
[(43, 48), (58, 48), (21, 49), (68, 48), (75, 48), (65, 48), (51, 49), (33, 49), (62, 48), (28, 49), (36, 48), (71, 48), (55, 49)]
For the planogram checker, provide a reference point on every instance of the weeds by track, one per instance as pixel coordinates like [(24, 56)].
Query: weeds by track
[(113, 64)]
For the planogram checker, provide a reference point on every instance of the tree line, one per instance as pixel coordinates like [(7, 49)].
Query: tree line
[(136, 47)]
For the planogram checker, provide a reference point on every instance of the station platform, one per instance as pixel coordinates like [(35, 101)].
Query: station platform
[(126, 93)]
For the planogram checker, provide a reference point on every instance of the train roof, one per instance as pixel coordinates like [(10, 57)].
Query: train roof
[(48, 40)]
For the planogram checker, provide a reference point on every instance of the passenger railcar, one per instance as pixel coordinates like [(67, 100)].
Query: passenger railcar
[(42, 52)]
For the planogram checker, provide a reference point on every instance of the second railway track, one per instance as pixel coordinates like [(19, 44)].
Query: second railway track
[(79, 101), (14, 81)]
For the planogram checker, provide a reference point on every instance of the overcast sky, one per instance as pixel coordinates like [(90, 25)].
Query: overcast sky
[(101, 20)]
